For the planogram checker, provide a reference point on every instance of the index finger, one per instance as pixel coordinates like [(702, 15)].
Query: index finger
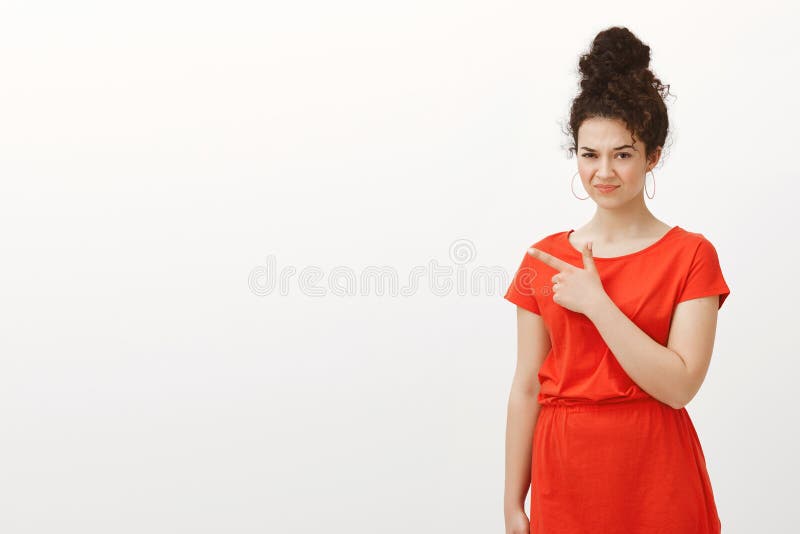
[(549, 259)]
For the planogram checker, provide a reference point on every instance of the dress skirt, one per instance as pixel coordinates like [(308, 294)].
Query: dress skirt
[(632, 467)]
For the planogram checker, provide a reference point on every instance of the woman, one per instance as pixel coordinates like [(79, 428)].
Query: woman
[(616, 323)]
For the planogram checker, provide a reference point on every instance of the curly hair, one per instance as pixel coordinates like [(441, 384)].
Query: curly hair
[(617, 83)]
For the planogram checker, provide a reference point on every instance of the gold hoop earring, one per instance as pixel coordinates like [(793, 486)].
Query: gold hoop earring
[(571, 182), (654, 184)]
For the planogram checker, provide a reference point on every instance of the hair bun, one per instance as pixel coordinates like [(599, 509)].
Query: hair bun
[(615, 52), (618, 83)]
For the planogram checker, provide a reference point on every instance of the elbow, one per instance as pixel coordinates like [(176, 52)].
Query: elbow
[(677, 405), (678, 399), (680, 402), (685, 388)]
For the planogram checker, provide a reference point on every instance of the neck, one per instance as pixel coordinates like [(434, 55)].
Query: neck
[(623, 221)]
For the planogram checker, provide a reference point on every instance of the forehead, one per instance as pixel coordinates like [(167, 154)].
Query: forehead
[(598, 132)]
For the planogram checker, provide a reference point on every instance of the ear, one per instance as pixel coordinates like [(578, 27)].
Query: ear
[(653, 160)]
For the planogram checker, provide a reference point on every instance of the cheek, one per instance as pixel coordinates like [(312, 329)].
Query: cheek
[(630, 175)]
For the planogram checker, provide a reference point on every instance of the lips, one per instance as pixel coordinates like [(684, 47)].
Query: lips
[(606, 187)]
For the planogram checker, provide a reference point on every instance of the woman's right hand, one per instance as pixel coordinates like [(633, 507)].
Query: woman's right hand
[(517, 522)]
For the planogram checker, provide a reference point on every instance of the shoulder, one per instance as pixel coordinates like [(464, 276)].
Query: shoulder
[(699, 270), (694, 242), (694, 251)]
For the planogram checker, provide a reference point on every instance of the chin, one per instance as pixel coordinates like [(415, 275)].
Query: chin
[(609, 202)]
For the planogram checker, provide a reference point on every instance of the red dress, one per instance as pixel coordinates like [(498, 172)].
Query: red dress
[(607, 457)]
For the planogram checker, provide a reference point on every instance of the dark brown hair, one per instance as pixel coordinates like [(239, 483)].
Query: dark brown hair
[(617, 83)]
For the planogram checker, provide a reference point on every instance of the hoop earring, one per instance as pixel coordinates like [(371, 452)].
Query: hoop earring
[(654, 184), (571, 182)]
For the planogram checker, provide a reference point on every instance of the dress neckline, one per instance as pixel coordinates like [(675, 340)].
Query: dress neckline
[(662, 239)]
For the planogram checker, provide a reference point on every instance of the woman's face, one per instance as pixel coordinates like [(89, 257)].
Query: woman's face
[(606, 157)]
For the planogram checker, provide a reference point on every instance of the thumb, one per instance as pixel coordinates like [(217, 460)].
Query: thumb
[(588, 258)]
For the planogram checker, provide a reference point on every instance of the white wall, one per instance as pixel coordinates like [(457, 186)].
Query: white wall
[(154, 155)]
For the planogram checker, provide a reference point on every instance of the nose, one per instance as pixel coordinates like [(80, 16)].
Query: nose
[(605, 169)]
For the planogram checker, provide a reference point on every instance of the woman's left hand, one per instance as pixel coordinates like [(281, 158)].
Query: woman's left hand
[(576, 289)]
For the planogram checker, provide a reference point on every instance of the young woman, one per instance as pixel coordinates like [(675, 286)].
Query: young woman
[(616, 323)]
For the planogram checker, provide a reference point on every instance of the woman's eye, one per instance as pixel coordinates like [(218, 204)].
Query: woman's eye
[(588, 155)]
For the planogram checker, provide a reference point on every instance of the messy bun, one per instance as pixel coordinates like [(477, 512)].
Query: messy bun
[(617, 83)]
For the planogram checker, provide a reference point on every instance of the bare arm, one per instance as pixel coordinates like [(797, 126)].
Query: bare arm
[(533, 344), (674, 373)]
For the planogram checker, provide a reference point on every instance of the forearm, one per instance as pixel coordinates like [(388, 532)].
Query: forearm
[(523, 411), (659, 371)]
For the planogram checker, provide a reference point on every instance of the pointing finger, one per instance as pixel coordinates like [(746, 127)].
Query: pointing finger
[(549, 259)]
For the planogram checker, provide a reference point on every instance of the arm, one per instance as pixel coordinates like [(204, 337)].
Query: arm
[(533, 344), (674, 373)]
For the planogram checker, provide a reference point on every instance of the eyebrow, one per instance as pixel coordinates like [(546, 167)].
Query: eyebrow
[(617, 148)]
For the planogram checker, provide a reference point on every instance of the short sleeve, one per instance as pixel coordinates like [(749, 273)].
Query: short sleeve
[(521, 291), (705, 275)]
